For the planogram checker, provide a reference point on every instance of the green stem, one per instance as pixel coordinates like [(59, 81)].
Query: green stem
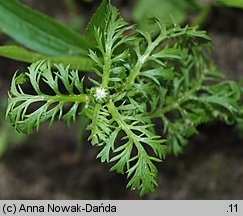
[(106, 69), (82, 98), (125, 127), (172, 33), (141, 60)]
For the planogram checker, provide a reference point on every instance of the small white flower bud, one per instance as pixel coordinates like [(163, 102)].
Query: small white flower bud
[(101, 94)]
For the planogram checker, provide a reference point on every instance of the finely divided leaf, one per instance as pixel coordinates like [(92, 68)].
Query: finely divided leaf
[(28, 111)]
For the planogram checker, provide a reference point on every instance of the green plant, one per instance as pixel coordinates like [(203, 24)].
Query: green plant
[(141, 76)]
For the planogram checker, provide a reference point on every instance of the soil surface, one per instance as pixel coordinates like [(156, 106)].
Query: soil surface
[(49, 166)]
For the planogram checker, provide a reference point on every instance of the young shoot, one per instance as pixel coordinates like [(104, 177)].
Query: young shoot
[(140, 76)]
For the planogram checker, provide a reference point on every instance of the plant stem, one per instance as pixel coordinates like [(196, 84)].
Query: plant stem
[(172, 33), (141, 60), (125, 127), (106, 69), (82, 98)]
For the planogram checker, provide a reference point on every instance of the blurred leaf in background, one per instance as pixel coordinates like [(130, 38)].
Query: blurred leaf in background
[(76, 20), (163, 10), (230, 3), (40, 33), (195, 12), (24, 55)]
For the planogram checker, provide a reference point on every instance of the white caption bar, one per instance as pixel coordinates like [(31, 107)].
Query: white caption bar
[(123, 208)]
